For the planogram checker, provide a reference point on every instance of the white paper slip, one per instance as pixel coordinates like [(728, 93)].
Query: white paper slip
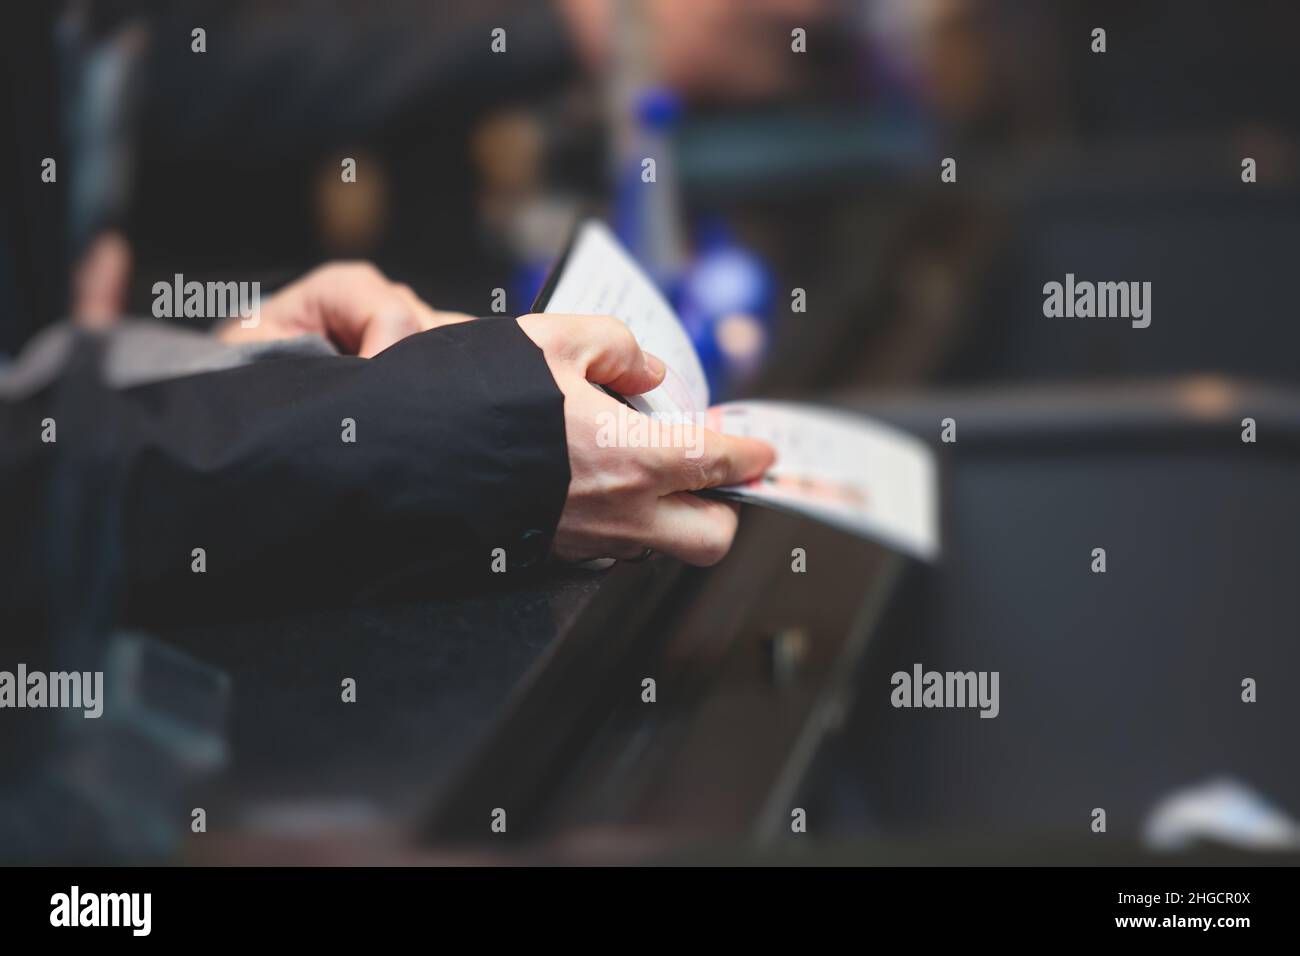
[(845, 470), (599, 278)]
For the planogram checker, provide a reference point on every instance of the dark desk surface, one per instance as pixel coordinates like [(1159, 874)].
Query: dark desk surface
[(487, 697), (431, 676)]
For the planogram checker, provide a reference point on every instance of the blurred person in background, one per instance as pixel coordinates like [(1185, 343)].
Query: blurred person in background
[(227, 162)]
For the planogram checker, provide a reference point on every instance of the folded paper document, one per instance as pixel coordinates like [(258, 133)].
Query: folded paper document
[(842, 469)]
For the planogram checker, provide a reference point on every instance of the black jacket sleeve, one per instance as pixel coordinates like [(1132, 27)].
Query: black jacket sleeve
[(459, 449)]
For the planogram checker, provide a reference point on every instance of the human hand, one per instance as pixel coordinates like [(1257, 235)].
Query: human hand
[(350, 303), (623, 499)]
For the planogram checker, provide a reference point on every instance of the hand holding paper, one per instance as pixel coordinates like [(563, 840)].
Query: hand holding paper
[(845, 470), (624, 498)]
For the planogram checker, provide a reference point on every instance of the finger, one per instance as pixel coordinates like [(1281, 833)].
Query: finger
[(346, 297), (608, 354), (732, 460), (696, 530), (692, 458), (390, 322), (646, 377)]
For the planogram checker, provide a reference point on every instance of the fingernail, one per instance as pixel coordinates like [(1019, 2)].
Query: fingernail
[(654, 365)]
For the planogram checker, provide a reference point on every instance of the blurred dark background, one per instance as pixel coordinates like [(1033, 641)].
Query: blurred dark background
[(782, 171)]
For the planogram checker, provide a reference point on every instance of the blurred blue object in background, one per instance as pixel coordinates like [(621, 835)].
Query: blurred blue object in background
[(647, 194), (721, 291), (725, 302)]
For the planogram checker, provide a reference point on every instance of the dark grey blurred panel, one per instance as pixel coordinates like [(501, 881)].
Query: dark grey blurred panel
[(1218, 256), (1116, 688), (1203, 407)]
